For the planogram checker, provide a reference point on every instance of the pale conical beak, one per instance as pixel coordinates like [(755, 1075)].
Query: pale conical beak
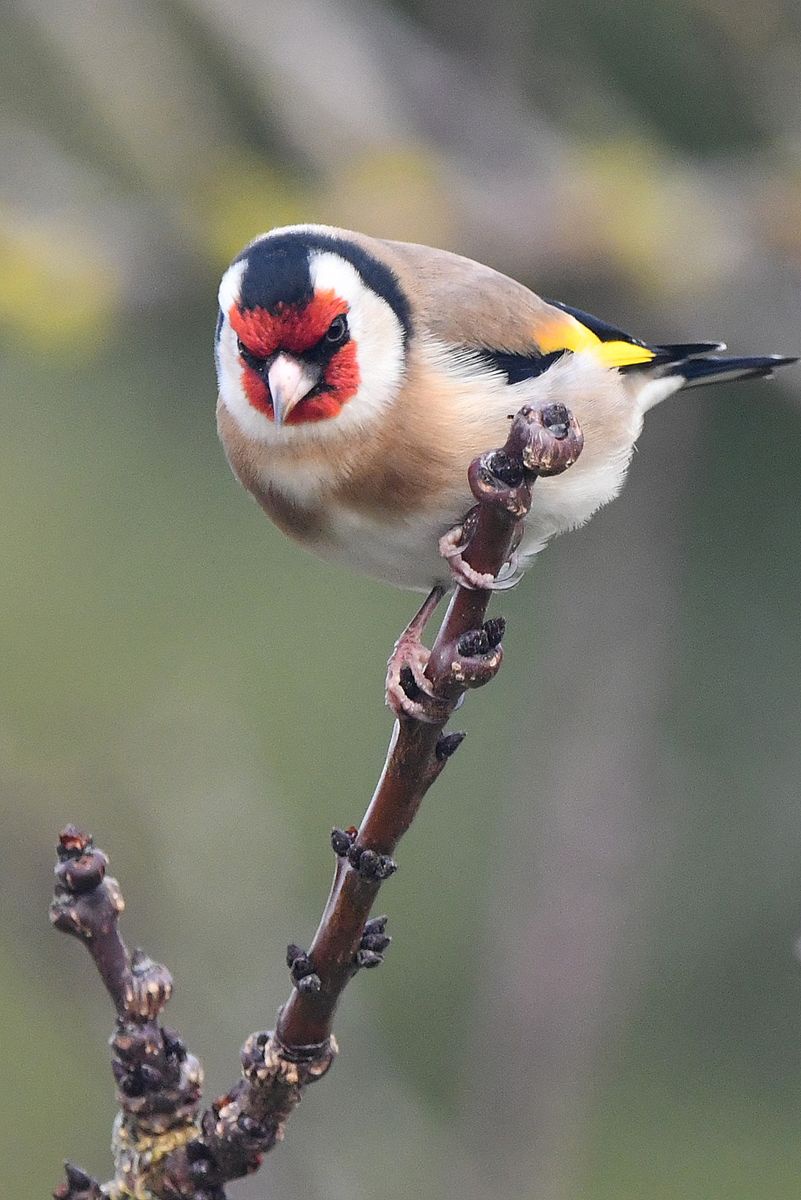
[(289, 380)]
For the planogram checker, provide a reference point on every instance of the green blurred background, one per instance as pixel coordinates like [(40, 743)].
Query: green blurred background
[(592, 990)]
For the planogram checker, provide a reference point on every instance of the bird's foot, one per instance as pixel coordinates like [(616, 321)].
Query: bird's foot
[(452, 547), (408, 691), (510, 573)]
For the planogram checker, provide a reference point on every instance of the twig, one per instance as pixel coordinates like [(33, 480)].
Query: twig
[(158, 1082), (466, 653), (162, 1149)]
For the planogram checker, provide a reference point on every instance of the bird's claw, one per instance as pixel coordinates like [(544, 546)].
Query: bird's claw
[(452, 546), (510, 574), (408, 691)]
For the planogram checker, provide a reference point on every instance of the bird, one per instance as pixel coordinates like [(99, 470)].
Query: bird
[(359, 377)]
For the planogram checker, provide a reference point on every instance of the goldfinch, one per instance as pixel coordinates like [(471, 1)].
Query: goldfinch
[(359, 377)]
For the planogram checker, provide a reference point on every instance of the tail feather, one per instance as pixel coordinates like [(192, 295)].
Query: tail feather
[(664, 376), (697, 363), (683, 350), (659, 370), (699, 371)]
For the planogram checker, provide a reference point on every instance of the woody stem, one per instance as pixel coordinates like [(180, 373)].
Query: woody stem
[(418, 750)]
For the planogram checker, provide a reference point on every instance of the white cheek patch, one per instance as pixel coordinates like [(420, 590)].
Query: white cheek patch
[(232, 392), (229, 364), (376, 331), (231, 286)]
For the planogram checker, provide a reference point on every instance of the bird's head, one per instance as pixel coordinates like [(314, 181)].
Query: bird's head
[(311, 334)]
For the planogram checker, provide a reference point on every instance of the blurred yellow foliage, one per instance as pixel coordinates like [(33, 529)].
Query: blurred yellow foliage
[(242, 197), (398, 193), (59, 292), (653, 218)]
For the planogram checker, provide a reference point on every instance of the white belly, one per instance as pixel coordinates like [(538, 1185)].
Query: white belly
[(405, 552)]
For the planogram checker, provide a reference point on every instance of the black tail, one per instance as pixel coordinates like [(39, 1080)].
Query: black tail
[(697, 364), (699, 371)]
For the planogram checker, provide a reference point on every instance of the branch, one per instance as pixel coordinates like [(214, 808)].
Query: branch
[(158, 1081), (162, 1149), (466, 653)]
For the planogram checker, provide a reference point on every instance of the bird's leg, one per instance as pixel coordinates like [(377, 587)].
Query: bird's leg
[(408, 662), (453, 545)]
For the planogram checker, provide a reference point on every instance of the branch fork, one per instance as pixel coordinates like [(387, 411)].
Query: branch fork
[(163, 1147)]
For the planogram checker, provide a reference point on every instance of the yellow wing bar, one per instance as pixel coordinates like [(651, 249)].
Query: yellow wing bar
[(566, 332)]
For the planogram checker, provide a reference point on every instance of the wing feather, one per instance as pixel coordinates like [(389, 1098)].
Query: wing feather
[(510, 329), (469, 305)]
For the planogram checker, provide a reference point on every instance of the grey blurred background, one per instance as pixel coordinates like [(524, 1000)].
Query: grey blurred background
[(592, 991)]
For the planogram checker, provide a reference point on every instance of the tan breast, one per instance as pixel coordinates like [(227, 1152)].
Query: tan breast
[(250, 462)]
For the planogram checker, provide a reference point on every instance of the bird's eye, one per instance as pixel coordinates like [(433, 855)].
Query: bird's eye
[(252, 360), (337, 330)]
